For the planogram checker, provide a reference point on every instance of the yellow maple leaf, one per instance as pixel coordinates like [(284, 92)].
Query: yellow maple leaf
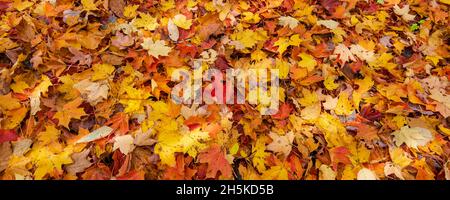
[(134, 99), (329, 83), (182, 22), (348, 173), (307, 61), (167, 5), (344, 105), (259, 154), (67, 87), (156, 48), (250, 17), (145, 21), (49, 162), (102, 71), (283, 68), (249, 38), (170, 142), (399, 157), (309, 98), (335, 133), (70, 111), (364, 85), (130, 11), (51, 134), (311, 112), (282, 44)]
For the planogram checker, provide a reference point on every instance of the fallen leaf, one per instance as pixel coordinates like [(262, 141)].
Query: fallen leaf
[(157, 48), (412, 137), (125, 143), (281, 144), (366, 174), (80, 162), (70, 111), (95, 135), (217, 162)]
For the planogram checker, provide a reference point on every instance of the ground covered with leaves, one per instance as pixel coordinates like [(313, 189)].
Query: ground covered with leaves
[(85, 89)]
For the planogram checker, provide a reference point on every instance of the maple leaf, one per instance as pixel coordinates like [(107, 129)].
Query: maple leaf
[(249, 38), (404, 12), (326, 173), (35, 96), (157, 48), (170, 142), (144, 139), (307, 61), (13, 118), (412, 137), (281, 144), (47, 161), (344, 106), (343, 53), (217, 162), (145, 21), (92, 92), (67, 87), (399, 157), (125, 143), (102, 71), (130, 11), (390, 168), (259, 154), (80, 162), (50, 135), (182, 22), (283, 43), (288, 21), (348, 74), (180, 171), (70, 111)]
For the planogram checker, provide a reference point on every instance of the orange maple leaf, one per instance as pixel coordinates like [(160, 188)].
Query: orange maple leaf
[(216, 160), (70, 111)]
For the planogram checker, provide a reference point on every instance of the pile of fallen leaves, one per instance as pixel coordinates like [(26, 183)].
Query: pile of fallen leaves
[(85, 89)]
